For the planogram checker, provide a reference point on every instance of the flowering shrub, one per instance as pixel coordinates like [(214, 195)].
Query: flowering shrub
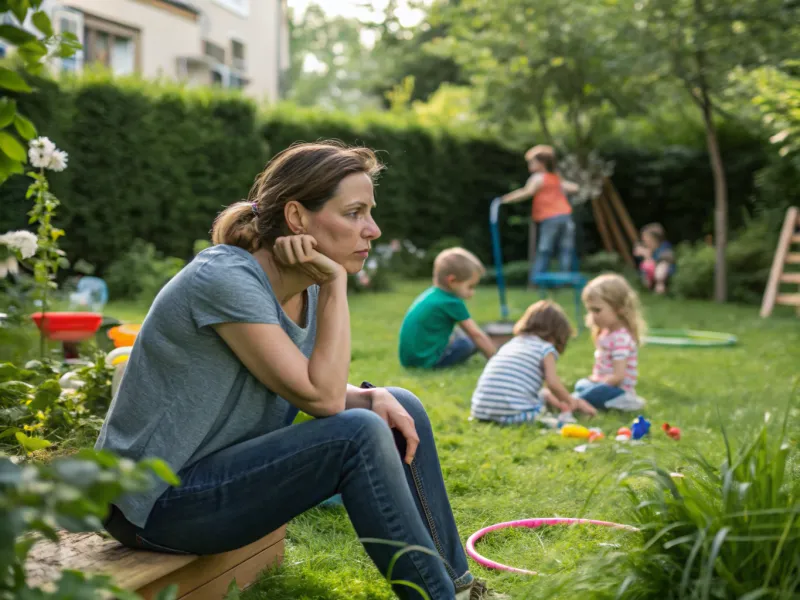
[(44, 155)]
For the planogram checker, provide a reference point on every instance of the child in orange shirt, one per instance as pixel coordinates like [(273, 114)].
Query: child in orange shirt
[(551, 210)]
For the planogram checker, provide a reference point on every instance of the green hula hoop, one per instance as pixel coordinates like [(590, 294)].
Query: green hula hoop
[(689, 338)]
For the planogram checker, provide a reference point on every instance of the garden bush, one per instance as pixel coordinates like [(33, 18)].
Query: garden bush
[(749, 256), (141, 272)]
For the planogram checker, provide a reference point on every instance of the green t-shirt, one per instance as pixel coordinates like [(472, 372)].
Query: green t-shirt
[(427, 326)]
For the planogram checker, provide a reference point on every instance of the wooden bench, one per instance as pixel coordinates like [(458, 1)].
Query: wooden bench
[(198, 577)]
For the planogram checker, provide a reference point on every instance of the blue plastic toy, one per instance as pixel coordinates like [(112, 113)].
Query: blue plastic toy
[(640, 428)]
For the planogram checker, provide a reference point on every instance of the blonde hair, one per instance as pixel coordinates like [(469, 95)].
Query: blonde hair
[(309, 173), (545, 155), (548, 321), (615, 291), (460, 263)]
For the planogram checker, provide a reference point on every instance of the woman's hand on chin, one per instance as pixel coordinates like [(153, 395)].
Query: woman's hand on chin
[(299, 252)]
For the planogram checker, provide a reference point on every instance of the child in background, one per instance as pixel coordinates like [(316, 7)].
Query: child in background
[(658, 259), (615, 317), (510, 388), (551, 210), (427, 337)]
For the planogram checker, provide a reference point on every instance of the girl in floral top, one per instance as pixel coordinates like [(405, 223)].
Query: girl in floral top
[(615, 316)]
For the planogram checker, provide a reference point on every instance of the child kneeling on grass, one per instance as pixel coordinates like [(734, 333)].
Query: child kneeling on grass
[(510, 388), (427, 336), (615, 316)]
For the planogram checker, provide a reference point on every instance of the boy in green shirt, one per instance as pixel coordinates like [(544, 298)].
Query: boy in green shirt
[(427, 338)]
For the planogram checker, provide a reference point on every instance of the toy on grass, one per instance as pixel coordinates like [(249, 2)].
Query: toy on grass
[(640, 428), (575, 431), (673, 432), (623, 434), (531, 524), (595, 434)]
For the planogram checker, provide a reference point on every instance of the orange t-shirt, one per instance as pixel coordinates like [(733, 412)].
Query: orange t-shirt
[(550, 200)]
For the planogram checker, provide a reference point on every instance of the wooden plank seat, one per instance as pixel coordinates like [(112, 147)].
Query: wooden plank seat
[(198, 577)]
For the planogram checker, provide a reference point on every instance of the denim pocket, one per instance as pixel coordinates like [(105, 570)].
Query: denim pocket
[(145, 544)]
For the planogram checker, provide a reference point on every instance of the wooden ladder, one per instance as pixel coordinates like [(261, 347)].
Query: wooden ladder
[(784, 256)]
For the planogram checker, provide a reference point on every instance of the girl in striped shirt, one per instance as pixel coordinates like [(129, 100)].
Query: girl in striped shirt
[(510, 387), (615, 316)]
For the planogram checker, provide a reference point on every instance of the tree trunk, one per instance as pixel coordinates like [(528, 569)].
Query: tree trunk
[(720, 201)]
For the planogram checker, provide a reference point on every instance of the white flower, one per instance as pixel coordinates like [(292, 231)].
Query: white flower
[(58, 162), (43, 154), (23, 242), (372, 264)]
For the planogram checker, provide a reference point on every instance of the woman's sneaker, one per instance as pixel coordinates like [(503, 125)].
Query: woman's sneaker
[(479, 591)]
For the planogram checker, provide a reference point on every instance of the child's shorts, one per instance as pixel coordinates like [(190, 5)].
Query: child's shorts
[(525, 416)]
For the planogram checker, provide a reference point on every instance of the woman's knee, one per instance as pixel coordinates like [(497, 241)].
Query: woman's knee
[(412, 404)]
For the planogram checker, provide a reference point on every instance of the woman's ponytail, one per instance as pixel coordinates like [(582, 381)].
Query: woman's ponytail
[(237, 225)]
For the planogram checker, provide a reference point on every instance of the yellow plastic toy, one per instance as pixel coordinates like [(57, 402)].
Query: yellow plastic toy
[(575, 431)]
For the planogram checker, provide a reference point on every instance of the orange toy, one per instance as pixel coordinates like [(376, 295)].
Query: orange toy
[(124, 335), (673, 432)]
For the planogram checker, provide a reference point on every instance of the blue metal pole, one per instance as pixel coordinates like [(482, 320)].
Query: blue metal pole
[(494, 213)]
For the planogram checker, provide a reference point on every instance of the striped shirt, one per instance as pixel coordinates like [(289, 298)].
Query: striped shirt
[(616, 345), (512, 380)]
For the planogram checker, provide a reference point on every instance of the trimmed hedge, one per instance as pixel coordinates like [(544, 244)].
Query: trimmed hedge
[(157, 163)]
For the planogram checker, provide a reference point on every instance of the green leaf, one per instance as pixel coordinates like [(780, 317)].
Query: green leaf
[(9, 371), (20, 9), (11, 147), (46, 395), (168, 593), (8, 109), (32, 53), (42, 23), (31, 444), (162, 470), (9, 432), (11, 80), (25, 128), (15, 35)]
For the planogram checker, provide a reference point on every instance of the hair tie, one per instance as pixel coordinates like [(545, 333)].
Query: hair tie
[(254, 208)]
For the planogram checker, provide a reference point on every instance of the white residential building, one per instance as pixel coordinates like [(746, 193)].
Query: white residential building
[(232, 43)]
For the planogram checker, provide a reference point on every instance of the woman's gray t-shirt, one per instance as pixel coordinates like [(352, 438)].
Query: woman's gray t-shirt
[(185, 394)]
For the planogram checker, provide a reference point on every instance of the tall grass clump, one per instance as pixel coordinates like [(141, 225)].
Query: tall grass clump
[(731, 531)]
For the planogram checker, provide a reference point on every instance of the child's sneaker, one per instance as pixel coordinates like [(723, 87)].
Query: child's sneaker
[(567, 417)]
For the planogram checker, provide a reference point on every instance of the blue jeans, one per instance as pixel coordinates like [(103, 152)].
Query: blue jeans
[(237, 495), (597, 394), (458, 351), (556, 233)]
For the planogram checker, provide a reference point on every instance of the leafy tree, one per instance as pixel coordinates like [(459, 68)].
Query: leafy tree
[(534, 60), (31, 54), (699, 43), (328, 61)]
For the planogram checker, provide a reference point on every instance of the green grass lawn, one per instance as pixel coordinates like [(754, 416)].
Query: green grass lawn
[(497, 474)]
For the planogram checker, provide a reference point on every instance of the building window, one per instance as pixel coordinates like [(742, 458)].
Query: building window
[(217, 53), (240, 7), (112, 45), (238, 56)]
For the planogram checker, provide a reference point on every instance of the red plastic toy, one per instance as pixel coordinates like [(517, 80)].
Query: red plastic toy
[(673, 432), (68, 326)]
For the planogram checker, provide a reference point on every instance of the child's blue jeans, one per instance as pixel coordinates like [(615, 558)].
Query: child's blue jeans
[(239, 494), (555, 233), (458, 351), (597, 394)]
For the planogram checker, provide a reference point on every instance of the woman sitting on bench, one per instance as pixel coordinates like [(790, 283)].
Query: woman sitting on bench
[(254, 329)]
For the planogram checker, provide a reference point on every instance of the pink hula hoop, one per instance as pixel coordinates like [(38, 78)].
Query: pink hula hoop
[(532, 524)]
